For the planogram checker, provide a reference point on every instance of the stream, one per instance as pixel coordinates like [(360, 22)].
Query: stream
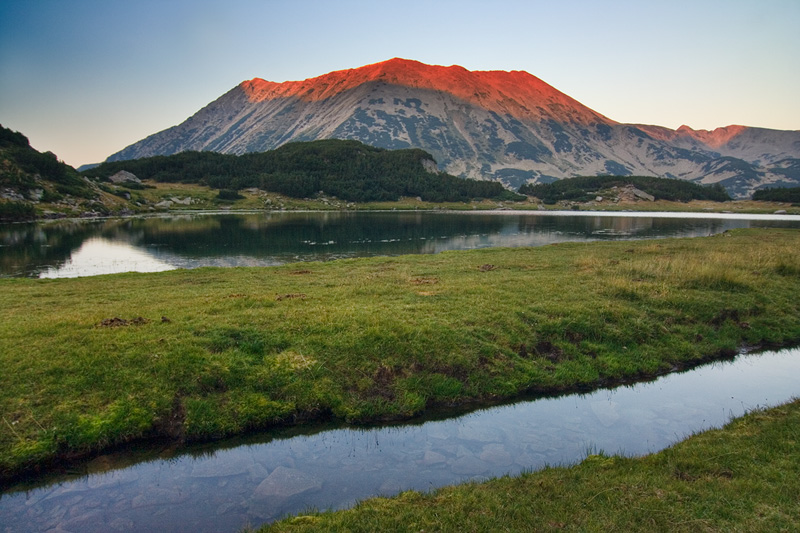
[(227, 485)]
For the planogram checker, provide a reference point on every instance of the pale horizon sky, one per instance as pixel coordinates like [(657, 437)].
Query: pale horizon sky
[(86, 78)]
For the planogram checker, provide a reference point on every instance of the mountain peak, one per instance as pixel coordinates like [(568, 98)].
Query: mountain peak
[(716, 138), (508, 126), (516, 93)]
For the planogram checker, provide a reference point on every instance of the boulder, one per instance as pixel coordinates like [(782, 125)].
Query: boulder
[(123, 176), (286, 482)]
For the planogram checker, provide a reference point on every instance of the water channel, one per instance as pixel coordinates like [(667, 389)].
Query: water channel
[(230, 485), (70, 248)]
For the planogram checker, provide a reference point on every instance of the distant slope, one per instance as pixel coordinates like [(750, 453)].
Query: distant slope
[(349, 170), (506, 126)]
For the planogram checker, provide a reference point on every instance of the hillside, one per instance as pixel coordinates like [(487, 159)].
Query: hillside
[(28, 176), (509, 127), (349, 170)]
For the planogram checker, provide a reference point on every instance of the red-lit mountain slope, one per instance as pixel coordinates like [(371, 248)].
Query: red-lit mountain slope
[(507, 126)]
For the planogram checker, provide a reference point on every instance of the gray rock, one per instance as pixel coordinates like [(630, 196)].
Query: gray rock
[(496, 454), (286, 482), (469, 465), (478, 433), (432, 458), (606, 412), (157, 496), (123, 176), (222, 465), (643, 195)]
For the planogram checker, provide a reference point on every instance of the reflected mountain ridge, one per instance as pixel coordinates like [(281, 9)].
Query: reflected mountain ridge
[(268, 239)]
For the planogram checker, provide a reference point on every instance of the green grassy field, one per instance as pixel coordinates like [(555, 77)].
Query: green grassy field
[(744, 477), (93, 362)]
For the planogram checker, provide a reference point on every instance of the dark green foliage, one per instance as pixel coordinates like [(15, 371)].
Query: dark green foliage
[(12, 138), (582, 189), (16, 211), (349, 170), (790, 194), (21, 164), (229, 194)]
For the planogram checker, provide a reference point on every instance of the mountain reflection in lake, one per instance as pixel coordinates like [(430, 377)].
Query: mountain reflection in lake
[(224, 486), (84, 248)]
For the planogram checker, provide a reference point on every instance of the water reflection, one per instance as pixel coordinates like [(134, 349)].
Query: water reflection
[(100, 256), (73, 248), (224, 489)]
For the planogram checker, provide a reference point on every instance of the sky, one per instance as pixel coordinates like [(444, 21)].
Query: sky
[(86, 78)]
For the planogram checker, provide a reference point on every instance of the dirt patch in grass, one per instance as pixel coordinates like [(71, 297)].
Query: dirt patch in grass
[(121, 322), (291, 296)]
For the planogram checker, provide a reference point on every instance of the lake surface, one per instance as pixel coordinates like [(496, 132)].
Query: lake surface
[(69, 248), (228, 485)]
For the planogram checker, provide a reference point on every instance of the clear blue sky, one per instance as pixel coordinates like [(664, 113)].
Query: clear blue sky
[(85, 78)]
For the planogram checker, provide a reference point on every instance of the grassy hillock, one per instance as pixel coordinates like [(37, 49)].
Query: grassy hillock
[(585, 188), (348, 170), (196, 354)]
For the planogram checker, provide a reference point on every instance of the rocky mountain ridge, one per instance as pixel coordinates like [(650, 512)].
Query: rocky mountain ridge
[(506, 126)]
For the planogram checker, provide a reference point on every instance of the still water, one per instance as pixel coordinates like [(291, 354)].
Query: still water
[(229, 485), (71, 248)]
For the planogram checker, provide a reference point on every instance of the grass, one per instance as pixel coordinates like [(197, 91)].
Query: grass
[(744, 477), (94, 362)]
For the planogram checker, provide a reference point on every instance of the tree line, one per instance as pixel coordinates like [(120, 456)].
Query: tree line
[(783, 194), (349, 170), (584, 188)]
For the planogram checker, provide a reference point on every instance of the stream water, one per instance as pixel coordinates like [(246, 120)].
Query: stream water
[(228, 485)]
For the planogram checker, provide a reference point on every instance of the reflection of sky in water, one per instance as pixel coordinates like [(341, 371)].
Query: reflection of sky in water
[(226, 489), (102, 256), (85, 248)]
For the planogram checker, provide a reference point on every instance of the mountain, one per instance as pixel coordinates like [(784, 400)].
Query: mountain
[(506, 126)]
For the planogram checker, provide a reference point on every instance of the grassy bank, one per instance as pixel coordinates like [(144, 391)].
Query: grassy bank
[(744, 477), (205, 198), (92, 362)]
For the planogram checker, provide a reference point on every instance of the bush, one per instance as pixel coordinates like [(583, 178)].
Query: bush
[(229, 195), (16, 211)]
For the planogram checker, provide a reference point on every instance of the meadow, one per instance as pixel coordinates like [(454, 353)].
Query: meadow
[(90, 363)]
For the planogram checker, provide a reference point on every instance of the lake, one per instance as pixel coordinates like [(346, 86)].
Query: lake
[(69, 248), (224, 486)]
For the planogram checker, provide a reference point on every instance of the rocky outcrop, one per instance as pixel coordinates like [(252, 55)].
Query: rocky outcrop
[(123, 176), (506, 126)]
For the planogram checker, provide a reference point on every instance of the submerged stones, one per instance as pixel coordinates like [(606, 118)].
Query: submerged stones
[(286, 482)]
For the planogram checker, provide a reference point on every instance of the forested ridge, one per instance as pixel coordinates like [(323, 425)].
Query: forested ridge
[(584, 188), (783, 194), (349, 170)]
